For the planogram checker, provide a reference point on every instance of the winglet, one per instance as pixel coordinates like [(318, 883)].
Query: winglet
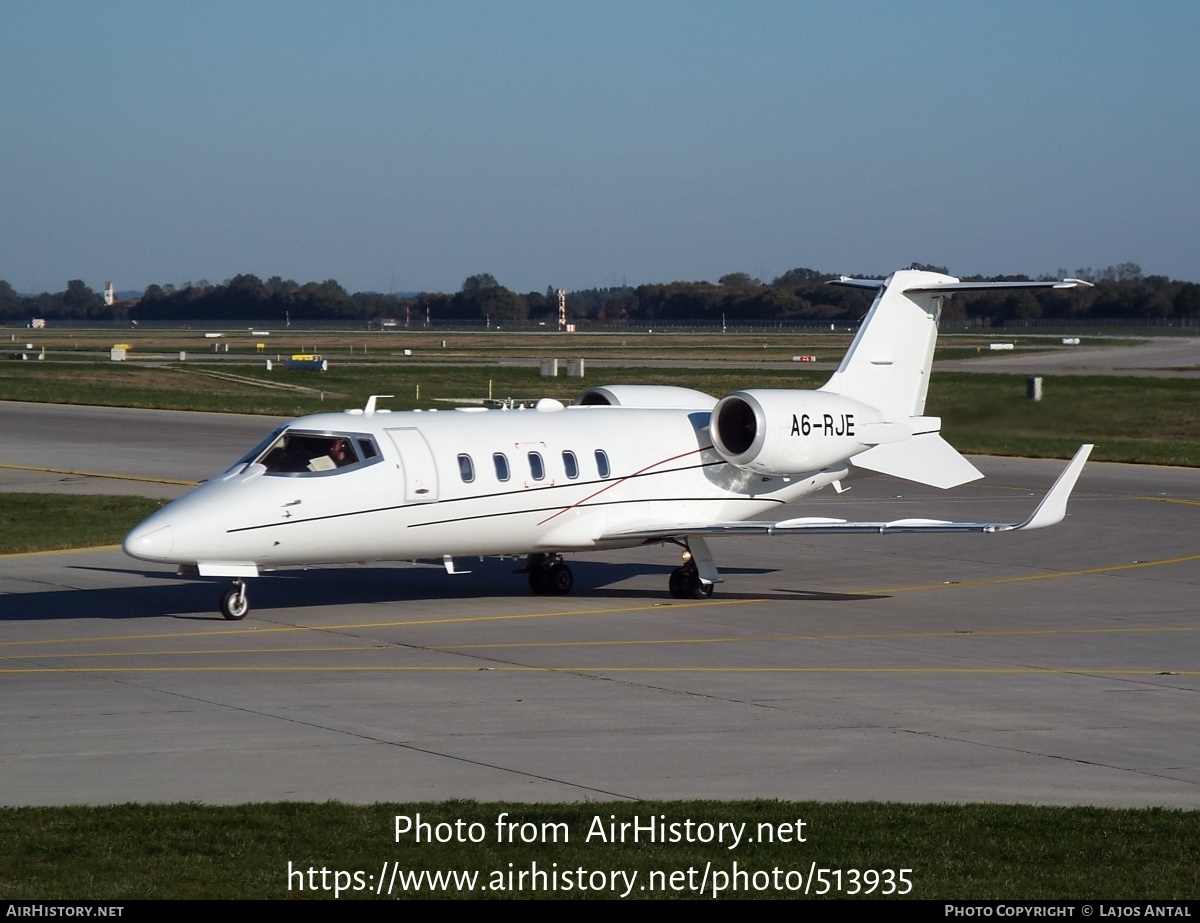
[(1054, 505)]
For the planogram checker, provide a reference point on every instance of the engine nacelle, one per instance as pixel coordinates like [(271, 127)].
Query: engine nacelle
[(782, 433), (656, 397)]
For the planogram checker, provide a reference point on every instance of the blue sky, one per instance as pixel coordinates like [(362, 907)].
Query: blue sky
[(406, 146)]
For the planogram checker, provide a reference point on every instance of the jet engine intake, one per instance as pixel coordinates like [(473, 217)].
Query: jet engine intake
[(784, 433)]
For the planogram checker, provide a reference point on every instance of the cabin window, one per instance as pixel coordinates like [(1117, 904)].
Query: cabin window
[(602, 467), (500, 460), (367, 448), (537, 467), (571, 465), (466, 468)]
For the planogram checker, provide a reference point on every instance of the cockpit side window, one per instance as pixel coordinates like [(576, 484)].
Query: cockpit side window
[(298, 453)]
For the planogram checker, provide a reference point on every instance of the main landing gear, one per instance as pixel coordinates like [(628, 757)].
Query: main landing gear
[(234, 602), (548, 575), (685, 582)]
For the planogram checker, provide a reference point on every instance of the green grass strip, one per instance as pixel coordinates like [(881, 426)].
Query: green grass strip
[(950, 851), (1140, 420), (53, 522)]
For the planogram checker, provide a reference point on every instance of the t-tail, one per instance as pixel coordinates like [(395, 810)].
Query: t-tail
[(871, 412), (887, 367)]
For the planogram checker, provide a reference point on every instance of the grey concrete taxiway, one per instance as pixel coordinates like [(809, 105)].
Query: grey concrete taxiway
[(1060, 666)]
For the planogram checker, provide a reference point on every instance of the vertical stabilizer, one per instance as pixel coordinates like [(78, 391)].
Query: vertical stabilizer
[(887, 365)]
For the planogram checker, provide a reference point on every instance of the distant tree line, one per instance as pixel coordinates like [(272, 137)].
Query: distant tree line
[(799, 295)]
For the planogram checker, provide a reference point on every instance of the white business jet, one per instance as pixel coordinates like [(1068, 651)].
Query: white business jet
[(625, 465)]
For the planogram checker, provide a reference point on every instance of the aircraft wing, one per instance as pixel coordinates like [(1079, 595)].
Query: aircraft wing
[(1049, 512)]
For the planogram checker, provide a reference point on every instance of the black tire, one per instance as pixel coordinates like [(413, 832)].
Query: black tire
[(234, 604), (676, 584), (560, 579), (689, 584), (539, 581)]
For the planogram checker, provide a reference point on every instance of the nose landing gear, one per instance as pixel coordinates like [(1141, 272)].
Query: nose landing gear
[(234, 602)]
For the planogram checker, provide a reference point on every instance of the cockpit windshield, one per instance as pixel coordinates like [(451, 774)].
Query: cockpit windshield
[(259, 448), (294, 452)]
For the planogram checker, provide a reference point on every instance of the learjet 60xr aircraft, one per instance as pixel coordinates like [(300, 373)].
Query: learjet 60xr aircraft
[(624, 465)]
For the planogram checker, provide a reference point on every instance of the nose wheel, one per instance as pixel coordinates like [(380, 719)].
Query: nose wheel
[(234, 602)]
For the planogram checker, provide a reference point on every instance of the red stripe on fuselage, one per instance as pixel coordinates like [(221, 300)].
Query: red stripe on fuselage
[(623, 479)]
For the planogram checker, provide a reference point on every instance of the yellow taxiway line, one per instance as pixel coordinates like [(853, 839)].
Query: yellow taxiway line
[(100, 474)]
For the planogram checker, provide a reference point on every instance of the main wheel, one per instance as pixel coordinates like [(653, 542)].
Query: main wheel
[(560, 579), (539, 581), (685, 583), (676, 584), (235, 604)]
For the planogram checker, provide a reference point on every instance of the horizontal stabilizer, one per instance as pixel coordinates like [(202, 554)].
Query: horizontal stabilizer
[(926, 458), (956, 286), (1049, 512), (991, 286)]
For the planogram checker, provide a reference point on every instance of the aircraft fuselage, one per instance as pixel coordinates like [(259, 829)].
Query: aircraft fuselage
[(466, 482)]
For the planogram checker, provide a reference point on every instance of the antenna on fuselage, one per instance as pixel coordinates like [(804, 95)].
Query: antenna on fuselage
[(370, 408)]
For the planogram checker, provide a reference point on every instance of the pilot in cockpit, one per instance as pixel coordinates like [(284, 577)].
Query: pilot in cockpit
[(299, 453), (341, 453)]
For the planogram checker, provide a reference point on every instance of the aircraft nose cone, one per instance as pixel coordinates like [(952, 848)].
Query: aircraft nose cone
[(149, 544)]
